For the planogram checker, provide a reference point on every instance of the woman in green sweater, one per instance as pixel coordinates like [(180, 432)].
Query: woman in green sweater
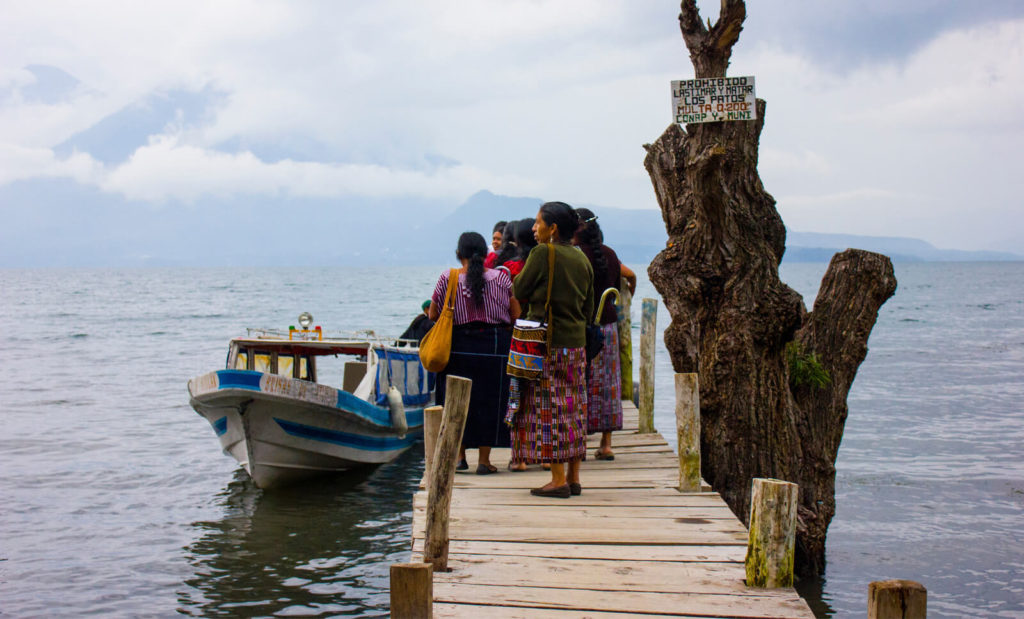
[(551, 423)]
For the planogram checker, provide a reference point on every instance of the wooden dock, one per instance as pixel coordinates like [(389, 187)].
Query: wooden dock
[(631, 544)]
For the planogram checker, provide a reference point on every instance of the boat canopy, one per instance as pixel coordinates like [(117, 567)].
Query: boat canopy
[(305, 347)]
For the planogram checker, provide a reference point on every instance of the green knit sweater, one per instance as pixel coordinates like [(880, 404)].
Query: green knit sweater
[(572, 295)]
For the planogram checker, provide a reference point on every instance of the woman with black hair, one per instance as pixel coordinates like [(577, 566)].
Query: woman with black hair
[(484, 312), (507, 250), (524, 243), (550, 425), (604, 381)]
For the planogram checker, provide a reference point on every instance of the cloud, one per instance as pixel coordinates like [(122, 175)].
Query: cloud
[(20, 163), (169, 170), (962, 80), (856, 196), (913, 100), (803, 162)]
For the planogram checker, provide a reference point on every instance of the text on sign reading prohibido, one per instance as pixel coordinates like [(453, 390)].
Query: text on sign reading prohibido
[(714, 99)]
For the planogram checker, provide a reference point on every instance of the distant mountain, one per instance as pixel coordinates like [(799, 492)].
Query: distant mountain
[(62, 223), (813, 247), (637, 235)]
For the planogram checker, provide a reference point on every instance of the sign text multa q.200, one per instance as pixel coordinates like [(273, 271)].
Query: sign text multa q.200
[(714, 99)]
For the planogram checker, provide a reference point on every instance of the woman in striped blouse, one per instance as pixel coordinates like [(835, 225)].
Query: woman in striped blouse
[(484, 313)]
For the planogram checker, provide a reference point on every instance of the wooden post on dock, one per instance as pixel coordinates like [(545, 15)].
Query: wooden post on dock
[(412, 590), (648, 322), (442, 476), (897, 599), (771, 541), (688, 431), (624, 307), (431, 427)]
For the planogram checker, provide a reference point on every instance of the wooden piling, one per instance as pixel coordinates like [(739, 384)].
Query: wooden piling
[(431, 427), (412, 591), (897, 599), (624, 308), (648, 322), (439, 488), (771, 541), (688, 431)]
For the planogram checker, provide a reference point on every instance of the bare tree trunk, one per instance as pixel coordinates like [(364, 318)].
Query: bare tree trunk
[(732, 317)]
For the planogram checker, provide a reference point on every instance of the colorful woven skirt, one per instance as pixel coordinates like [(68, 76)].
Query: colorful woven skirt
[(551, 423), (604, 385)]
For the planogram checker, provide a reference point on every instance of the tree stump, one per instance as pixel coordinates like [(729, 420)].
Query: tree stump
[(733, 320)]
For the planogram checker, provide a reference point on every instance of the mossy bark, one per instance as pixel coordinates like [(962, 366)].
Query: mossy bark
[(732, 316)]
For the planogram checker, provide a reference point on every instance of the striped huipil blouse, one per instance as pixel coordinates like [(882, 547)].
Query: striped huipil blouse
[(495, 308)]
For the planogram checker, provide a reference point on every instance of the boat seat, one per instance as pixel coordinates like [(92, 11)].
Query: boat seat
[(354, 373)]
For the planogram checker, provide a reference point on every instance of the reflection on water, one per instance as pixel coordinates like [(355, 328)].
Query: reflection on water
[(812, 590), (320, 548)]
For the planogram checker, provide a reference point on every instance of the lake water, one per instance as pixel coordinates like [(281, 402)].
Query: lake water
[(116, 499)]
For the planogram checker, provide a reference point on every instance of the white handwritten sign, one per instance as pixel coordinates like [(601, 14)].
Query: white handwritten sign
[(714, 99)]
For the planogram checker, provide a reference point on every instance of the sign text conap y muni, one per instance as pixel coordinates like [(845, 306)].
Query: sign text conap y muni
[(714, 99)]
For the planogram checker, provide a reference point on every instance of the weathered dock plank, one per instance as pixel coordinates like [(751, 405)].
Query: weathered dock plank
[(631, 544), (666, 552)]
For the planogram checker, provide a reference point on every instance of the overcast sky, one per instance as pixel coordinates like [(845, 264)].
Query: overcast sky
[(883, 118)]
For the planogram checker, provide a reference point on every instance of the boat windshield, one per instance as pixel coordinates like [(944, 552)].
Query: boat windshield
[(282, 363)]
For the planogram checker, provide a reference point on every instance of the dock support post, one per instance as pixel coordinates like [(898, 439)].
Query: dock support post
[(897, 599), (624, 307), (431, 427), (442, 476), (688, 431), (412, 590), (771, 542), (648, 323)]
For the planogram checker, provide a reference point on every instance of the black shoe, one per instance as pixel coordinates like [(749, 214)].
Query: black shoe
[(575, 489), (561, 492), (462, 465)]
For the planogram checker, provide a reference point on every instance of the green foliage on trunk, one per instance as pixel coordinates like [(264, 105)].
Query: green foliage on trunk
[(804, 367)]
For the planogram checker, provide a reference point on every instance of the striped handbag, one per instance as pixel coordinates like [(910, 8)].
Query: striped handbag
[(531, 339)]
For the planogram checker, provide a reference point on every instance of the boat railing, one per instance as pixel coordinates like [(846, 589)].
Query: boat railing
[(367, 335)]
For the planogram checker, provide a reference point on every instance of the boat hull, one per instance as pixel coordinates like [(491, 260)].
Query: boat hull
[(284, 430)]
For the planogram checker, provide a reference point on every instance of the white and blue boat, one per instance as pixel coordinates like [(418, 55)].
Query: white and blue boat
[(273, 416)]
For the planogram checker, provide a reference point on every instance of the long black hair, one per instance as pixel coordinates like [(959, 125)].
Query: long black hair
[(562, 215), (473, 247), (524, 238), (589, 235), (508, 244)]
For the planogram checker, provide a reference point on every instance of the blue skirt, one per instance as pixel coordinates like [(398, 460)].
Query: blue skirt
[(480, 353)]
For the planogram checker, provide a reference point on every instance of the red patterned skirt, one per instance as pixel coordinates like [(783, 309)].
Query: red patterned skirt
[(551, 423), (604, 385)]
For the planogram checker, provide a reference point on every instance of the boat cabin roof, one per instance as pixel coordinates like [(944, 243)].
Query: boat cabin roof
[(307, 347)]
